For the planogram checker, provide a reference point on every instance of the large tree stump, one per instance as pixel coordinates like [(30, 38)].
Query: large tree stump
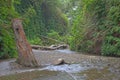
[(26, 56)]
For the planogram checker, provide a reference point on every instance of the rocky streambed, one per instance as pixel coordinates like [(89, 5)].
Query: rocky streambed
[(80, 67)]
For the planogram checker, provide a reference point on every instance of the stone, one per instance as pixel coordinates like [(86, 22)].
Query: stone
[(60, 61)]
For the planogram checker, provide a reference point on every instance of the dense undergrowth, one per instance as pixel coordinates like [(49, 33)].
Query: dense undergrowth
[(98, 28), (7, 43), (91, 26)]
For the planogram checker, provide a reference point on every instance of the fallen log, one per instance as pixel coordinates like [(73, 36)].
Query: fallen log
[(53, 47), (41, 47)]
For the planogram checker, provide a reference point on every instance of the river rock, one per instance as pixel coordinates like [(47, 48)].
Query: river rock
[(60, 61)]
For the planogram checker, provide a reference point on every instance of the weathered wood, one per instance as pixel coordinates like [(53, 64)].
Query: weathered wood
[(26, 56), (60, 61), (53, 47)]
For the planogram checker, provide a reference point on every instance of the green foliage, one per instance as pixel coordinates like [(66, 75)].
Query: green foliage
[(76, 34), (94, 25), (101, 28), (53, 37), (111, 46), (112, 39), (36, 41), (7, 44), (53, 34), (41, 17), (8, 49)]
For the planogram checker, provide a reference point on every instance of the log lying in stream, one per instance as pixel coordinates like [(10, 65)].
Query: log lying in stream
[(52, 47)]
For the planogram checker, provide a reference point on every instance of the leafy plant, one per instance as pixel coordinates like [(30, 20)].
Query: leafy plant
[(8, 49), (36, 41), (7, 44), (101, 28)]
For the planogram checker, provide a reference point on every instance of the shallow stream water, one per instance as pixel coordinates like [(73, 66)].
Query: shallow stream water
[(96, 70)]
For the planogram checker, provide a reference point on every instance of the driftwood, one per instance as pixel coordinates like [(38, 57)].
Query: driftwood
[(60, 61), (52, 47), (25, 54)]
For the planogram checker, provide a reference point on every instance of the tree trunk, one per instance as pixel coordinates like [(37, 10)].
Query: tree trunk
[(26, 56)]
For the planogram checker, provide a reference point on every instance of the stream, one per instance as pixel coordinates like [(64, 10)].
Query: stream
[(82, 67)]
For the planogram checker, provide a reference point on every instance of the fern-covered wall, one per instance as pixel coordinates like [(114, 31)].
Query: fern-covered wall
[(98, 27), (41, 17), (91, 26), (7, 44)]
